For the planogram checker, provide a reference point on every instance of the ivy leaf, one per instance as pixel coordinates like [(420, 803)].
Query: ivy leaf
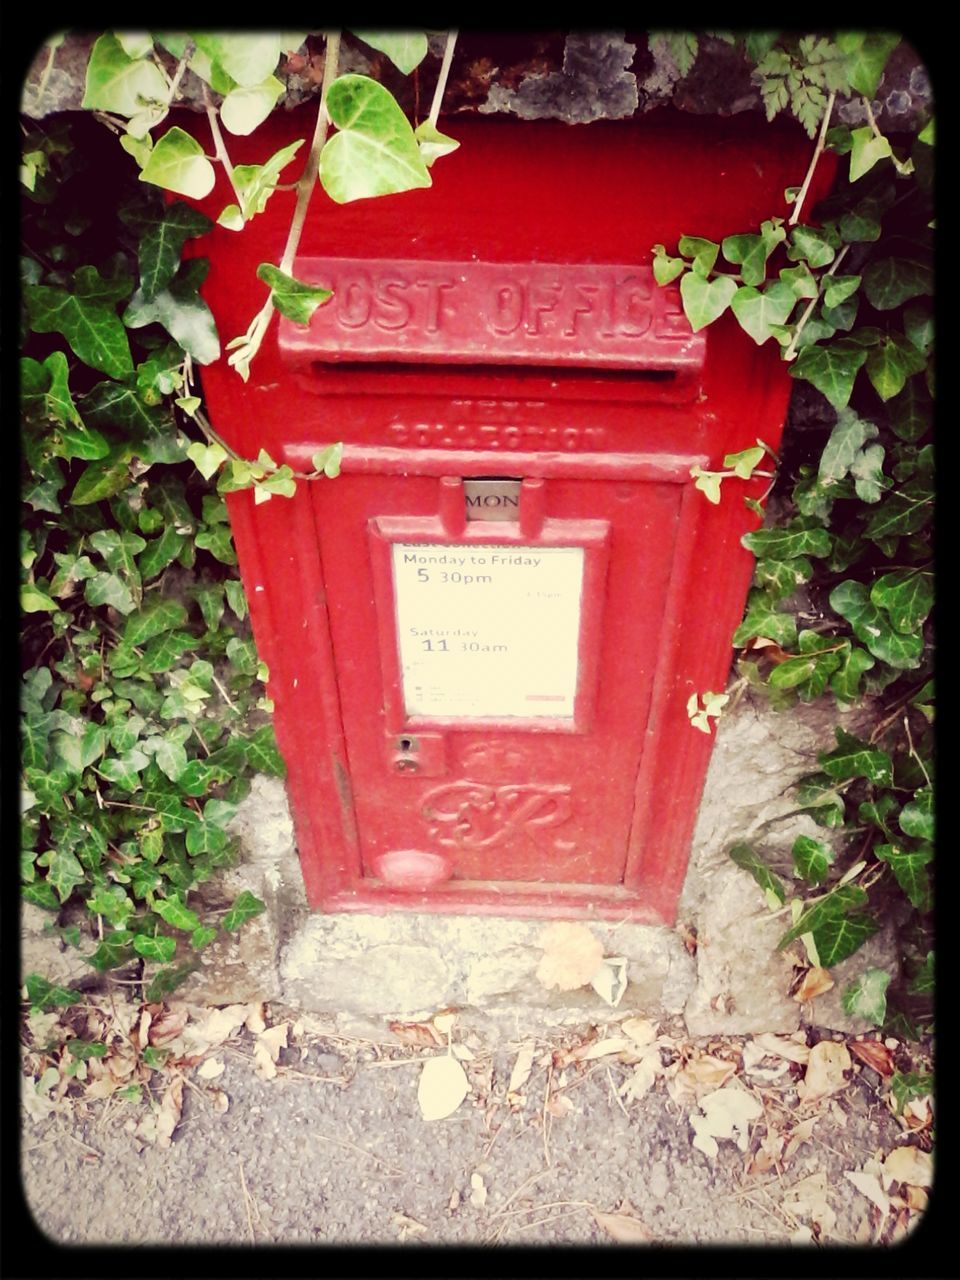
[(705, 301), (820, 796), (405, 50), (750, 252), (433, 144), (831, 369), (867, 150), (845, 682), (835, 906), (170, 756), (909, 868), (113, 951), (292, 298), (247, 59), (812, 246), (108, 589), (866, 997), (889, 282), (866, 56), (202, 937), (756, 312), (923, 983), (747, 859), (854, 758), (374, 153), (184, 315), (245, 907), (173, 912), (906, 511), (703, 252), (112, 903), (907, 596), (666, 268), (164, 650), (207, 458), (812, 858), (118, 83), (246, 107), (160, 552), (206, 837), (852, 601), (167, 980), (708, 483), (160, 947), (328, 460), (262, 753), (256, 183), (785, 543), (152, 620), (846, 440), (812, 666), (764, 619), (867, 472), (124, 770), (161, 243), (890, 363), (218, 542), (839, 288), (177, 163), (64, 872), (236, 598), (92, 328), (916, 818), (44, 995)]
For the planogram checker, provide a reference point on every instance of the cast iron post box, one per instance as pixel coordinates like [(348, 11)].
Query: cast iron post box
[(483, 635)]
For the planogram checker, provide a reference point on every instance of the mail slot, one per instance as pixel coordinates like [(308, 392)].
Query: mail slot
[(482, 637)]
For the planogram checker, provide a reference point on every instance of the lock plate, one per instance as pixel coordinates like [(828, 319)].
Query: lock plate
[(416, 755)]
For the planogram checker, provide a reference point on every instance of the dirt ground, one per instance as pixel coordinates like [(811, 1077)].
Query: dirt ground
[(255, 1125)]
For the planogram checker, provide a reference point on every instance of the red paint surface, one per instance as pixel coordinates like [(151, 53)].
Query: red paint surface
[(551, 358)]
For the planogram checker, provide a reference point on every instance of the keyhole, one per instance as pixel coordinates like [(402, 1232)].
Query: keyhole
[(406, 744)]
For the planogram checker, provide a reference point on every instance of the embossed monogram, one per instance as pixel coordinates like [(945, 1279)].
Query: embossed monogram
[(476, 815)]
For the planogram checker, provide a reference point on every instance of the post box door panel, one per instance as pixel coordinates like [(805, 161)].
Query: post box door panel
[(481, 744)]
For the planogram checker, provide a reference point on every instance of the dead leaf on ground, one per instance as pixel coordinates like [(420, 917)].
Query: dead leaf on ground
[(874, 1054), (408, 1226), (211, 1068), (571, 956), (702, 1074), (916, 1198), (782, 1047), (803, 1132), (610, 979), (868, 1184), (623, 1228), (908, 1165), (218, 1025), (642, 1080), (168, 1025), (219, 1100), (725, 1113), (603, 1048), (478, 1191), (815, 982), (559, 1105), (825, 1070), (256, 1021), (521, 1068), (443, 1086), (169, 1114), (422, 1035), (274, 1039)]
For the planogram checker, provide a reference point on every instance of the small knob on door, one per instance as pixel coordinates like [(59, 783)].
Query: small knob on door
[(414, 869)]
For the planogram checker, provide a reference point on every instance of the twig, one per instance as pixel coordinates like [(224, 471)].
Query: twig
[(45, 77), (534, 1177), (219, 145), (247, 1202), (525, 1226), (817, 152), (545, 1116), (351, 1146), (442, 80), (616, 1095), (226, 697), (92, 1150)]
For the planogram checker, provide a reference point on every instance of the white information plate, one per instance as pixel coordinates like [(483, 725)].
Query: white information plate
[(488, 630)]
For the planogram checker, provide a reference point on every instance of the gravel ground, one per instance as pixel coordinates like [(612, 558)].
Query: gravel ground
[(335, 1149)]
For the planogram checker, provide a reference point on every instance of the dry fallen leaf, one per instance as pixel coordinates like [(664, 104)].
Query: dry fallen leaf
[(868, 1184), (211, 1068), (521, 1068), (408, 1226), (909, 1165), (443, 1086), (217, 1026), (802, 1133), (781, 1047), (610, 979), (640, 1030), (726, 1113), (478, 1191), (264, 1062), (274, 1039), (916, 1198), (571, 956), (874, 1054), (824, 1075), (642, 1080), (218, 1099), (623, 1228), (167, 1026), (603, 1048), (418, 1034), (169, 1114), (558, 1104), (444, 1022), (815, 982), (704, 1073), (255, 1020)]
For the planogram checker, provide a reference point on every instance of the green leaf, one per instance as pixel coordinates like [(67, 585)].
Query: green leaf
[(433, 145), (909, 866), (113, 951), (756, 311), (210, 599), (866, 56), (262, 753), (160, 948), (219, 542), (177, 163), (852, 601), (374, 153), (108, 589), (207, 458), (832, 369), (785, 543), (907, 1085), (245, 907), (247, 59), (292, 298), (42, 895), (64, 872), (703, 252), (92, 328), (811, 245), (246, 107), (163, 651), (236, 597), (118, 83), (834, 906), (173, 912), (846, 440), (202, 937), (812, 859), (152, 620), (167, 980), (705, 301), (916, 818), (746, 858), (907, 596), (745, 462), (845, 682), (184, 315), (78, 750), (33, 600), (906, 511), (889, 282), (764, 619), (161, 243), (125, 769), (83, 1049), (406, 49), (112, 903), (923, 983), (161, 551), (867, 472), (256, 183), (170, 756), (854, 758), (328, 460), (866, 996), (44, 995), (890, 363), (780, 578), (867, 150)]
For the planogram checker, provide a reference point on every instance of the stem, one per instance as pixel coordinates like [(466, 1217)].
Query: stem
[(442, 81), (219, 145), (906, 725), (179, 73), (45, 77), (790, 352), (871, 119), (817, 152)]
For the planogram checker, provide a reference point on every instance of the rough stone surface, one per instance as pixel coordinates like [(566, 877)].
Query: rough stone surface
[(42, 951), (595, 83), (878, 952)]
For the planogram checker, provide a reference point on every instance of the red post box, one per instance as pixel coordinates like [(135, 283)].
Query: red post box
[(483, 636)]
